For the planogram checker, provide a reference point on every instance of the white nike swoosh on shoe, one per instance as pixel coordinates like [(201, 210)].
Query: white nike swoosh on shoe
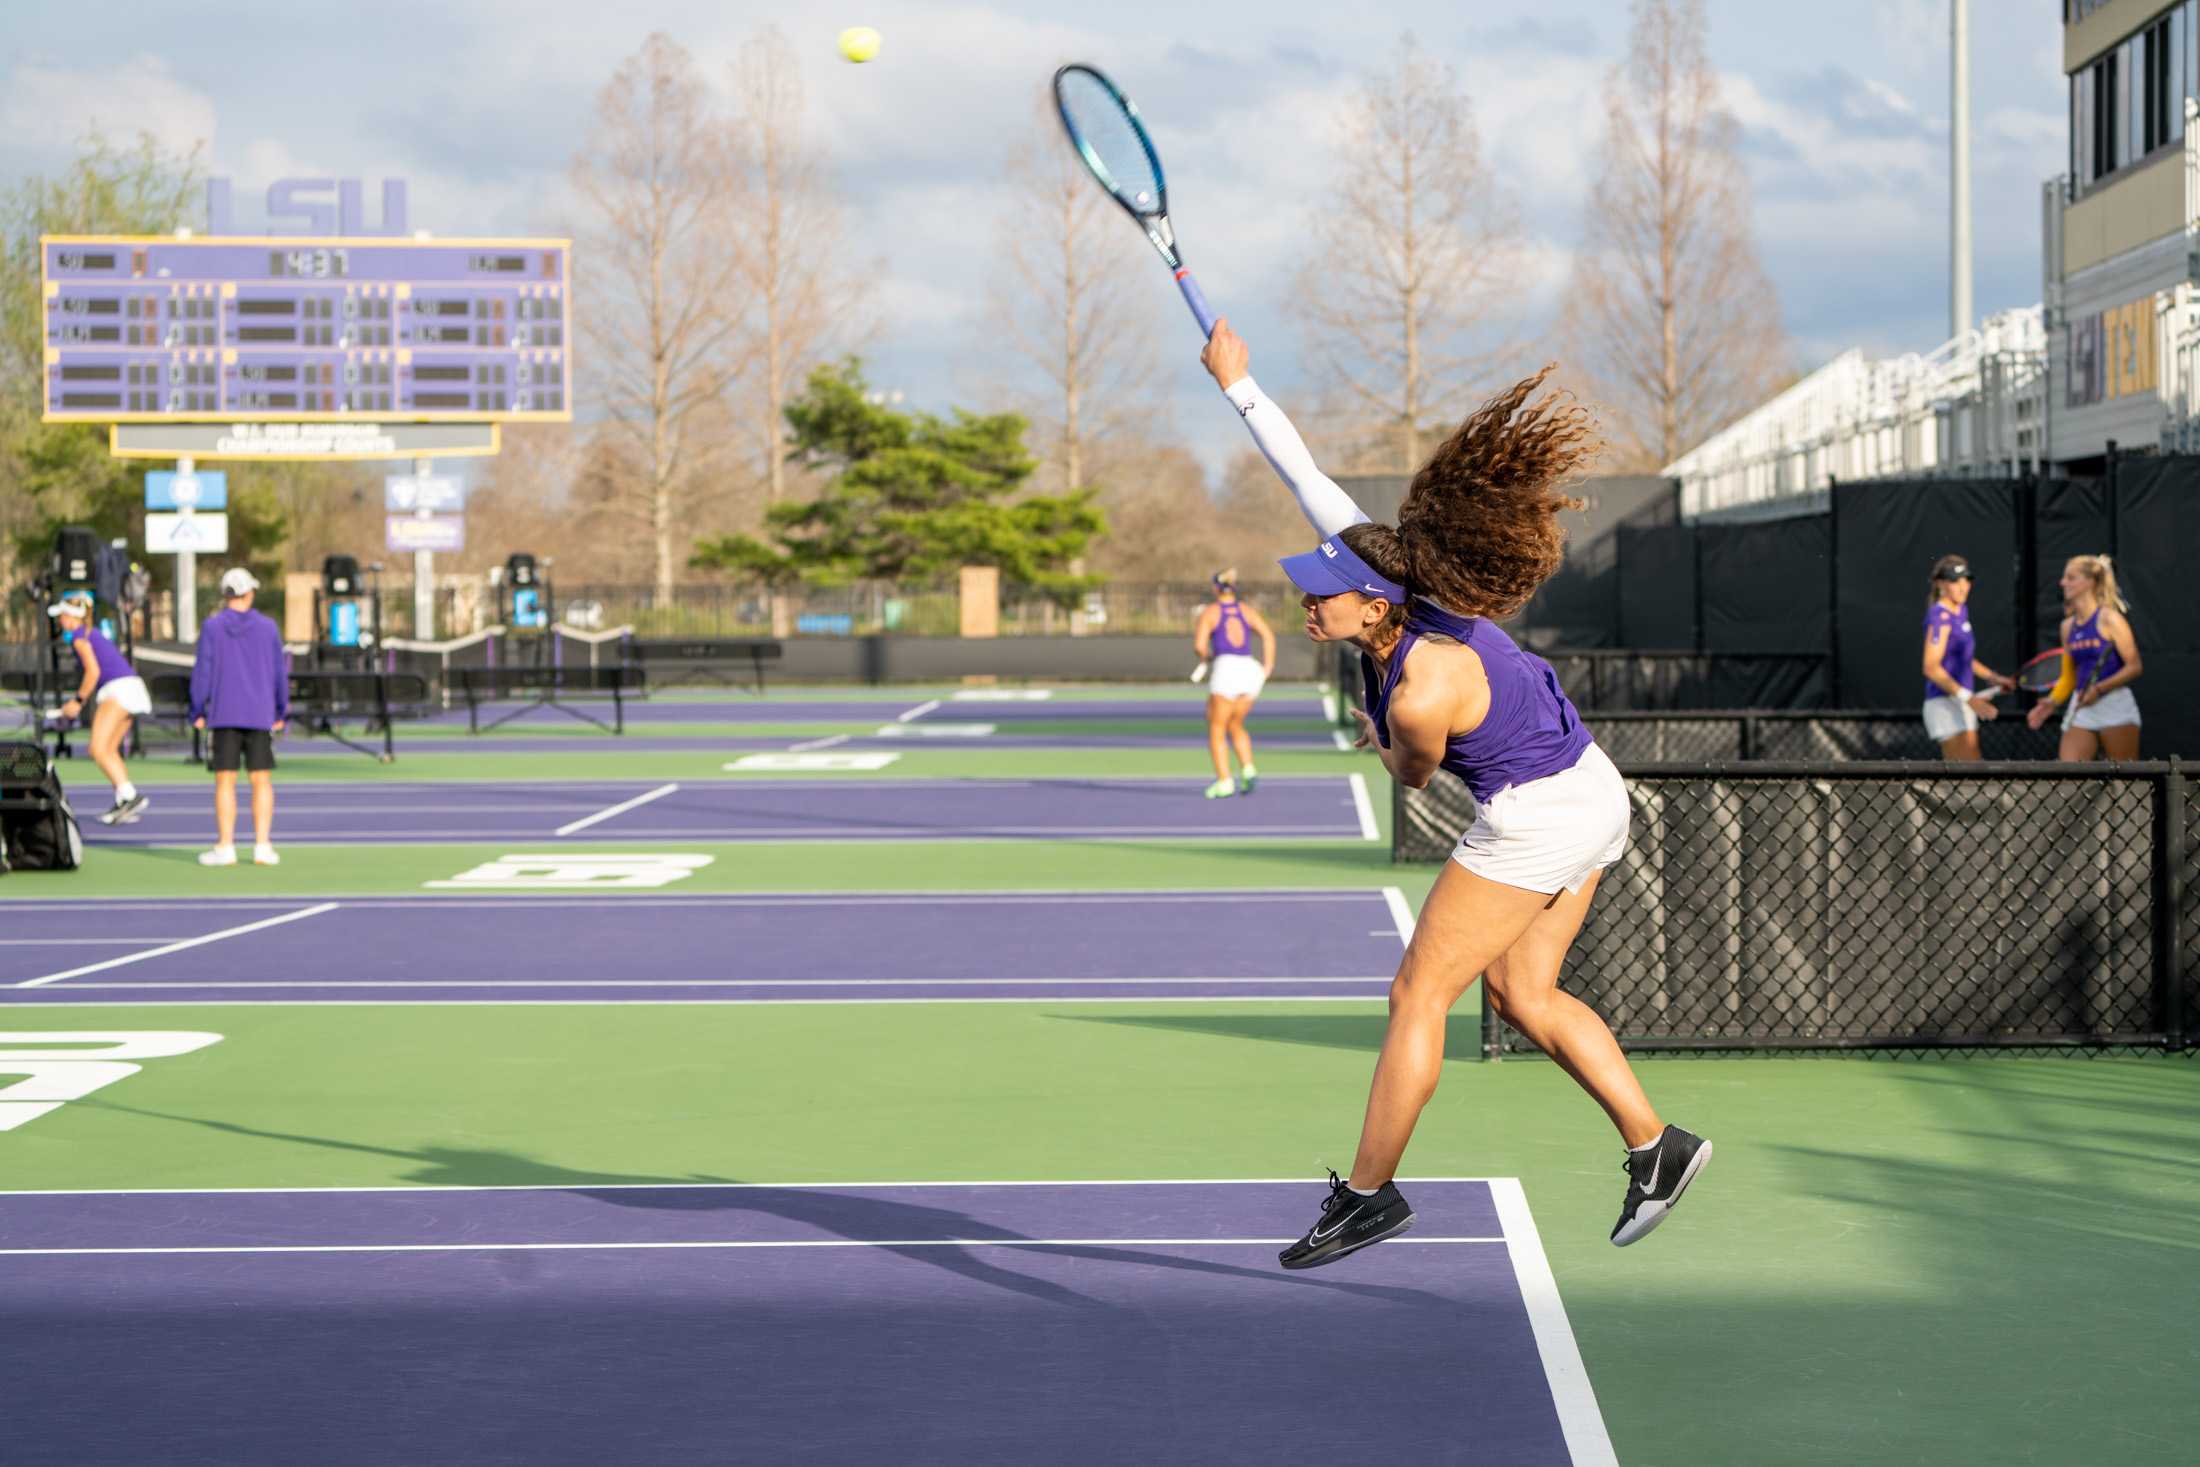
[(1318, 1236), (1656, 1162)]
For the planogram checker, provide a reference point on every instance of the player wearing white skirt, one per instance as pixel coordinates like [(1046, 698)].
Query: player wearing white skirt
[(114, 692), (1953, 706), (1223, 636), (2101, 657), (1448, 690)]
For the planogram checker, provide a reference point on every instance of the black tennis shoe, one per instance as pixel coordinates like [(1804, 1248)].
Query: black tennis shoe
[(1656, 1177), (1349, 1222)]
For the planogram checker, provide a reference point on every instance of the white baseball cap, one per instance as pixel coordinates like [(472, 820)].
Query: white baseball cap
[(75, 603), (236, 581)]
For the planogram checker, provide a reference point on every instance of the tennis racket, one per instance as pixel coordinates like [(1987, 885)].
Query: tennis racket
[(2041, 673), (1104, 127), (1199, 673)]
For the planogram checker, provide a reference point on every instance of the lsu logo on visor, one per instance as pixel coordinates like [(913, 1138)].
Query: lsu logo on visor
[(1329, 549)]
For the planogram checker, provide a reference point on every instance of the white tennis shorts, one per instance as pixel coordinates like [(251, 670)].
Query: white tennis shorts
[(1234, 675), (1551, 834), (2115, 708), (131, 693), (1946, 717)]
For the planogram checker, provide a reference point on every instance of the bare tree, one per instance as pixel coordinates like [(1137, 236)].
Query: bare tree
[(660, 176), (1673, 324), (1074, 304), (1413, 246), (789, 233)]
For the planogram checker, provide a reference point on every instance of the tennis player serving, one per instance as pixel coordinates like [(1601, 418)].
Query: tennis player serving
[(1448, 690)]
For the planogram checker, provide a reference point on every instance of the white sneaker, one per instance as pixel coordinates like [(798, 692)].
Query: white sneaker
[(265, 856), (219, 856)]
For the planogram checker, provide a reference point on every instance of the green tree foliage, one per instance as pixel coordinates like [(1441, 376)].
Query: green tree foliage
[(55, 474), (913, 497)]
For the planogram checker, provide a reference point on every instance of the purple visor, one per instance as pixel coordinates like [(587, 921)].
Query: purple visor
[(1331, 569)]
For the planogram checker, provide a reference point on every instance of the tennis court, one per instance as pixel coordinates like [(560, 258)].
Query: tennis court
[(954, 1108)]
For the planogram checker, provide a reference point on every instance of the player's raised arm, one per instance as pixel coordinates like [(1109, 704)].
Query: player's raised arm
[(1326, 506)]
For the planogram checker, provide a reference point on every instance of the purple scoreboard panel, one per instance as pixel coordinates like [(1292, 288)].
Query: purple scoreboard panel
[(158, 329)]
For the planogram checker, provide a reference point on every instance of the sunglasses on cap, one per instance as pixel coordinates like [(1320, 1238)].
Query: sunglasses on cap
[(1955, 573)]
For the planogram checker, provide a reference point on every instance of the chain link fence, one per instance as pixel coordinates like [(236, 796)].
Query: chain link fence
[(1790, 906)]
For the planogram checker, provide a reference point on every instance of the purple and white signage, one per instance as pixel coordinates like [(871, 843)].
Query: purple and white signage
[(157, 329)]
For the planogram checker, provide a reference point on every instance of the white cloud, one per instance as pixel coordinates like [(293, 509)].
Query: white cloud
[(48, 106)]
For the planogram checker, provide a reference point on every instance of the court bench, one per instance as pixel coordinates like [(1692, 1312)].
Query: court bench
[(671, 662), (548, 687)]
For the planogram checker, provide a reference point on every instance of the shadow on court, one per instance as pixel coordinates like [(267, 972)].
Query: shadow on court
[(845, 1214), (1361, 1033)]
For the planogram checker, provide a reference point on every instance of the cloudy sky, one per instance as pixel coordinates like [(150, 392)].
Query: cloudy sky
[(480, 103)]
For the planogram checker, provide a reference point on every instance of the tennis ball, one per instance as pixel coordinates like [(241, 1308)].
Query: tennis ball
[(859, 43)]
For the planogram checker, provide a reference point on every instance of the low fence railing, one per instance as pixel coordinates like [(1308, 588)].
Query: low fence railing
[(1906, 905)]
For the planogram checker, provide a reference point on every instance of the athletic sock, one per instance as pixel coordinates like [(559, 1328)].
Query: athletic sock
[(1358, 1193), (125, 792), (1248, 771), (1651, 1144)]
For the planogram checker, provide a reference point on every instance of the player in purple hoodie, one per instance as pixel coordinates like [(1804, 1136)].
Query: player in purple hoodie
[(240, 690)]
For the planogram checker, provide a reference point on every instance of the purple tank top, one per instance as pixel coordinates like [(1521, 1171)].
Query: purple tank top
[(1962, 647), (1531, 729), (1232, 637), (2093, 656), (106, 657)]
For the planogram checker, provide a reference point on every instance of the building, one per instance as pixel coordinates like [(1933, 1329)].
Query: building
[(2118, 234), (1972, 406), (2111, 356)]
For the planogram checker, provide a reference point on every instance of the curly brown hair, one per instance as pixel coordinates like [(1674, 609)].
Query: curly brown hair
[(1479, 525)]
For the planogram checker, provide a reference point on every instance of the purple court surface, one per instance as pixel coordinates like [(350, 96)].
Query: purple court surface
[(709, 1321), (1289, 807), (480, 947)]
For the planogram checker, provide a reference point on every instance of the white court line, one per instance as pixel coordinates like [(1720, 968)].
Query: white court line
[(1309, 1183), (695, 1243), (811, 746), (177, 947), (917, 712), (1400, 913), (756, 898), (710, 982), (1329, 705), (1341, 739), (544, 1003), (619, 809), (1364, 808), (1589, 1444)]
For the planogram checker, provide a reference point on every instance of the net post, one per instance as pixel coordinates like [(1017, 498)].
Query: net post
[(2169, 900), (1493, 1030)]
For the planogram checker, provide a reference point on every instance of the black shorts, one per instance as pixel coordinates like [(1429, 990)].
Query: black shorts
[(254, 748)]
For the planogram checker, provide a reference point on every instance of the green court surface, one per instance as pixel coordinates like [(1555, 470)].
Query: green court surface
[(1966, 1260)]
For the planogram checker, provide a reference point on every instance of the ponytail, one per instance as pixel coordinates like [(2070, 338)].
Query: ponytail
[(2102, 573)]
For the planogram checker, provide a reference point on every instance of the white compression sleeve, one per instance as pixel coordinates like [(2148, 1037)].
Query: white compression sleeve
[(1326, 506)]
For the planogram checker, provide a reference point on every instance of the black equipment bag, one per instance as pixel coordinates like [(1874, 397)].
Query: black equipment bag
[(38, 830)]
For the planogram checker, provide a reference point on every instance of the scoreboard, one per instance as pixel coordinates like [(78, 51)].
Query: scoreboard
[(165, 329)]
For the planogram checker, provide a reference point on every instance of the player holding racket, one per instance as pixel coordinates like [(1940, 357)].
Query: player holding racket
[(2101, 716), (1446, 689), (1224, 636), (1953, 707)]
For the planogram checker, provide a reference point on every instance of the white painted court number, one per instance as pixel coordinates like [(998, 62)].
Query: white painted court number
[(568, 871), (57, 1066)]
